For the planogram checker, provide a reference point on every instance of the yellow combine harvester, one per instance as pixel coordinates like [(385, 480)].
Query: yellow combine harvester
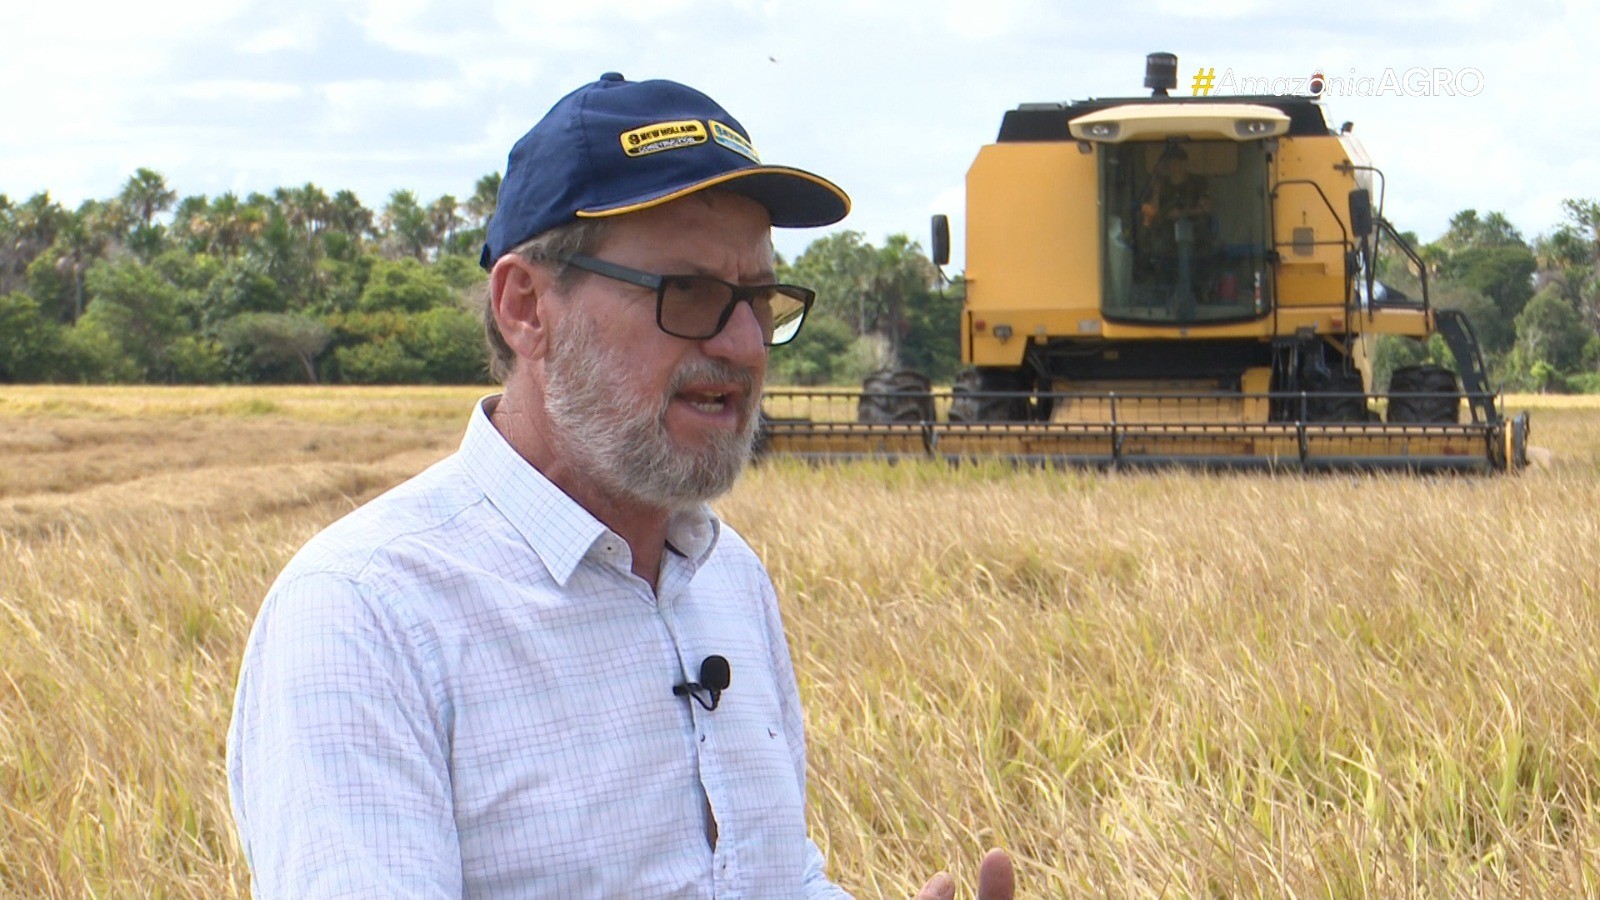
[(1174, 280)]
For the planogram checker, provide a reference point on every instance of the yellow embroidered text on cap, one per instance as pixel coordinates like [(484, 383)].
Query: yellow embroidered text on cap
[(663, 136)]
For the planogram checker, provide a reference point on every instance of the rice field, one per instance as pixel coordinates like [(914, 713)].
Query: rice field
[(1143, 685)]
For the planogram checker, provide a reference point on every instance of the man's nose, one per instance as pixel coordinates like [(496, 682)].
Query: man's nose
[(741, 341)]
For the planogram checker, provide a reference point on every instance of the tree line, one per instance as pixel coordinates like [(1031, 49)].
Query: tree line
[(1535, 305), (299, 285)]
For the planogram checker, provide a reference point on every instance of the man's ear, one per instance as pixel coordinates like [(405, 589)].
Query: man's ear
[(521, 293)]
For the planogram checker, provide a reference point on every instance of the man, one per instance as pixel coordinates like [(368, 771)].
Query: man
[(1177, 220), (1178, 193), (543, 667)]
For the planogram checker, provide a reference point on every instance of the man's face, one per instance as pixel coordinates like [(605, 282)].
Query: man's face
[(648, 416)]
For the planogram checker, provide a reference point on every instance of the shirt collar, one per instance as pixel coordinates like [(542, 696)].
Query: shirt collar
[(557, 527)]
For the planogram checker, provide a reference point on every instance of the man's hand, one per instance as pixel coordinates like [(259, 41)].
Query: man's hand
[(995, 881)]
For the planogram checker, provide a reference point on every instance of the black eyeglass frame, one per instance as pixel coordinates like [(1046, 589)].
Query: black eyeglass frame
[(740, 293)]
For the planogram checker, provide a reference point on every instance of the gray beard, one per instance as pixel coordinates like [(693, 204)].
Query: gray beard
[(620, 439)]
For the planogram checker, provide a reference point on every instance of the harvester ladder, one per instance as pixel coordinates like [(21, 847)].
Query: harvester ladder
[(1463, 342)]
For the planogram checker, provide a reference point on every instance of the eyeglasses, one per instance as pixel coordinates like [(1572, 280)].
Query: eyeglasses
[(698, 307)]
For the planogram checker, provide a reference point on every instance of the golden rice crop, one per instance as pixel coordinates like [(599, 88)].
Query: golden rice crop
[(1162, 684)]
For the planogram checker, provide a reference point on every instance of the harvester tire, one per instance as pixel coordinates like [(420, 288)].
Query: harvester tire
[(895, 395), (968, 403), (1424, 395), (1339, 399)]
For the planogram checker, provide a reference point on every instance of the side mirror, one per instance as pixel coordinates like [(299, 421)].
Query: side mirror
[(941, 240), (1361, 212)]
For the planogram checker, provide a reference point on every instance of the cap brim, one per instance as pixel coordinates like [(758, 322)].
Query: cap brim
[(794, 198)]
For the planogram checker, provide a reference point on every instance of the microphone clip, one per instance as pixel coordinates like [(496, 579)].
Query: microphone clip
[(712, 681)]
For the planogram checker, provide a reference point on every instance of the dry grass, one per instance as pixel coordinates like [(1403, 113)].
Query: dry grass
[(1145, 685)]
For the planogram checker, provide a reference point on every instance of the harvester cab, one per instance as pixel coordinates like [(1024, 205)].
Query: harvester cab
[(1175, 280)]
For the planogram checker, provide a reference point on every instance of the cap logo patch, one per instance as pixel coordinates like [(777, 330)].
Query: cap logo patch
[(734, 141), (663, 136)]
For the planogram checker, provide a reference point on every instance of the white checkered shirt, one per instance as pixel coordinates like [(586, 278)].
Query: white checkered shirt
[(461, 690)]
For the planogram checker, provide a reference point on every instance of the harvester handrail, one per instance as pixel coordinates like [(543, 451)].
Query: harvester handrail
[(1346, 246)]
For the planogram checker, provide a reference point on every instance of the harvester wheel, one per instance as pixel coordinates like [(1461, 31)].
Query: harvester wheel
[(895, 395), (1338, 399), (968, 403), (1424, 394)]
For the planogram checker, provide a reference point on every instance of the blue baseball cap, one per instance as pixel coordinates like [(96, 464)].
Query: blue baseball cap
[(618, 146)]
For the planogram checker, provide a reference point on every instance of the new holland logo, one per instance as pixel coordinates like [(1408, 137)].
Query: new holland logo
[(663, 136)]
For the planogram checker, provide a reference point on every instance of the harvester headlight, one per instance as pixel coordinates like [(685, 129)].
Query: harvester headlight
[(1104, 131), (1252, 127), (1003, 332)]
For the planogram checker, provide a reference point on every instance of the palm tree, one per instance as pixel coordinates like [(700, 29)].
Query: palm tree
[(407, 226), (234, 224), (347, 216), (191, 222), (307, 211), (145, 194), (8, 233), (30, 230), (484, 198), (444, 218), (82, 239)]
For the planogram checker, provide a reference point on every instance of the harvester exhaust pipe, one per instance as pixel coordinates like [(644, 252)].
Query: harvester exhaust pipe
[(1161, 73)]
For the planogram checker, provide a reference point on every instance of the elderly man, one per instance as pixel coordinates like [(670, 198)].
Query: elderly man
[(543, 667)]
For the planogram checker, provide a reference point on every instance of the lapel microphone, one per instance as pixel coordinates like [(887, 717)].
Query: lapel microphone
[(713, 680)]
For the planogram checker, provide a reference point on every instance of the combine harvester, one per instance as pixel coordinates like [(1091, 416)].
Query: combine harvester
[(1174, 281)]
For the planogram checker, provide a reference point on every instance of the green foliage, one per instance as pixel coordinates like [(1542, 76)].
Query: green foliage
[(449, 342), (932, 344), (243, 286), (271, 342), (30, 342), (839, 267), (462, 272), (885, 292), (1584, 383), (94, 354), (866, 354), (1496, 331), (1502, 273), (1483, 266), (188, 271), (51, 288), (1550, 331), (379, 362), (1468, 231), (816, 357), (404, 285), (343, 281), (139, 310), (193, 359), (145, 286)]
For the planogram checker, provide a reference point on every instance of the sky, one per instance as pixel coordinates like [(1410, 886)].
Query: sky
[(891, 99)]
